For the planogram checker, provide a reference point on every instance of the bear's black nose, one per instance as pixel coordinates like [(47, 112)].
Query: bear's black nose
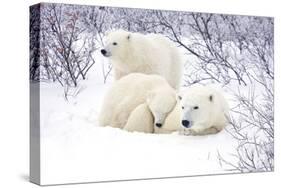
[(158, 125), (103, 51), (185, 123)]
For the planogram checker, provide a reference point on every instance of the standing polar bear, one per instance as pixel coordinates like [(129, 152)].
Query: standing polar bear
[(149, 54), (204, 110), (127, 94)]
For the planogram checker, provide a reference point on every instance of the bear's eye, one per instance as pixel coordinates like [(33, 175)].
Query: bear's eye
[(114, 43), (182, 107), (195, 107)]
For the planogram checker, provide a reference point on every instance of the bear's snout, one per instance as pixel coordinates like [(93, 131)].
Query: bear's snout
[(158, 125), (185, 123), (103, 51)]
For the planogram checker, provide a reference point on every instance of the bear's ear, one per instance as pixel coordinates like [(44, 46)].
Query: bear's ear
[(129, 36), (211, 98)]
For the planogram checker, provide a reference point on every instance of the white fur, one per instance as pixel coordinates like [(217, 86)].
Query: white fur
[(166, 113), (127, 94), (161, 102), (172, 122), (212, 112), (148, 54), (140, 120)]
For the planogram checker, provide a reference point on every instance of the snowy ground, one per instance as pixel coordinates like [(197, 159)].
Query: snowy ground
[(75, 149)]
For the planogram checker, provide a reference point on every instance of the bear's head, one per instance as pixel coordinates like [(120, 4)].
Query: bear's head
[(197, 106), (161, 102), (116, 45)]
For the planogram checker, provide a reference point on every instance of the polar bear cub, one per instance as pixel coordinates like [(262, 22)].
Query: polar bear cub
[(204, 110), (149, 54), (172, 122), (142, 120), (127, 94), (159, 114)]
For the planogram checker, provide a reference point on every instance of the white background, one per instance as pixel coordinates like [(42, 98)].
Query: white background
[(14, 94)]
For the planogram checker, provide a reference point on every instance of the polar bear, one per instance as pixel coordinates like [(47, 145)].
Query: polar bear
[(204, 110), (140, 120), (149, 54), (157, 115), (172, 122), (131, 91)]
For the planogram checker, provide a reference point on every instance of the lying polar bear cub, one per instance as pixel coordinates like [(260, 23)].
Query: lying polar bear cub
[(158, 114), (204, 110)]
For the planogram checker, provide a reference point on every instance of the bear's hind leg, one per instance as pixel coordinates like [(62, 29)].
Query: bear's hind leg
[(140, 120)]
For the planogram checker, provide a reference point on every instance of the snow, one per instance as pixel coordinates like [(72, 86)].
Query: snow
[(75, 149)]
